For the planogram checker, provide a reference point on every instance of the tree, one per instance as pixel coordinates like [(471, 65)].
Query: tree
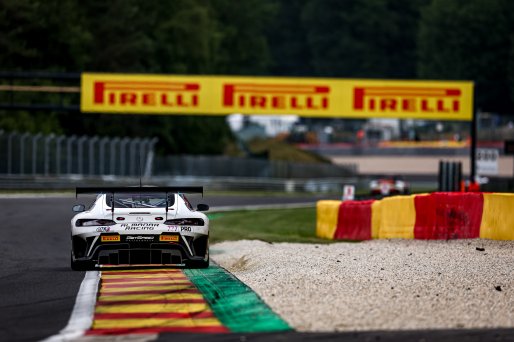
[(42, 35), (363, 38), (471, 40)]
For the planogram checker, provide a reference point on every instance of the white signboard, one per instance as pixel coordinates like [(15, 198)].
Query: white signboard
[(487, 161), (348, 192)]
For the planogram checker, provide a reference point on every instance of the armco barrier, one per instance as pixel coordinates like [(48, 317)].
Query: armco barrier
[(438, 215)]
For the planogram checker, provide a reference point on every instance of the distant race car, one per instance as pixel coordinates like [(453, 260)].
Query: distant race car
[(386, 186), (127, 226)]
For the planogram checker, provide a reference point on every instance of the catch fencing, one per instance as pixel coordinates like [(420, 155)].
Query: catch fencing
[(57, 155)]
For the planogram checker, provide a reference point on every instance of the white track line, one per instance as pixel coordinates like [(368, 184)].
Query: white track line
[(82, 314)]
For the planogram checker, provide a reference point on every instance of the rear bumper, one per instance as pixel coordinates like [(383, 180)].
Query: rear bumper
[(157, 253)]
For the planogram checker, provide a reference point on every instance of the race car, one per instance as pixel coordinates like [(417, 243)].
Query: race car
[(386, 186), (130, 226)]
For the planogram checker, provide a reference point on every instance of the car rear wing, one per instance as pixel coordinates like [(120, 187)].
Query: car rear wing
[(142, 190)]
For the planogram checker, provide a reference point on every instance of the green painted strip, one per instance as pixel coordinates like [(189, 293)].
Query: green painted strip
[(235, 304)]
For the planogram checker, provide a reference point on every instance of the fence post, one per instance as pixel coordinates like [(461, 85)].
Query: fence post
[(58, 158), (80, 154), (102, 144), (149, 157), (112, 166), (133, 155), (69, 155), (9, 152), (35, 139), (23, 137), (48, 138), (142, 155), (91, 158), (123, 144)]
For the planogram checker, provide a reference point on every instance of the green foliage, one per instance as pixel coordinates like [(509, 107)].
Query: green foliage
[(363, 38), (471, 40)]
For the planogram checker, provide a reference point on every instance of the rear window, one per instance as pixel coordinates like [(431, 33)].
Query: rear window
[(156, 200)]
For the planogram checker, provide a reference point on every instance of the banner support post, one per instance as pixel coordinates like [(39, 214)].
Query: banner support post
[(473, 145)]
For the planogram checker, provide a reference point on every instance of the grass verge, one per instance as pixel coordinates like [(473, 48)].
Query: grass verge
[(273, 225)]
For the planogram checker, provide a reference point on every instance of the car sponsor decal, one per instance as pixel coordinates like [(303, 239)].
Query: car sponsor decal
[(109, 238), (173, 228), (103, 229), (185, 229), (169, 238), (139, 226), (140, 238)]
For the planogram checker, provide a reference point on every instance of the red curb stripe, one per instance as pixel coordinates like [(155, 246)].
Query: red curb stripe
[(149, 280), (123, 331), (141, 273), (149, 301), (192, 315), (122, 293), (120, 285)]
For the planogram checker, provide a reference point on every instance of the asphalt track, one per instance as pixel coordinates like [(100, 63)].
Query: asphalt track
[(38, 289)]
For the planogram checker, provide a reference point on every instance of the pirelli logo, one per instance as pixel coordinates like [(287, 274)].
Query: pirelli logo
[(169, 238), (110, 238), (308, 97), (146, 93), (276, 96), (407, 99)]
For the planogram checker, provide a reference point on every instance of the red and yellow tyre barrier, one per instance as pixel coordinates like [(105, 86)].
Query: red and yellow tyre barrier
[(427, 216), (498, 217), (151, 301), (326, 218), (352, 215), (397, 218)]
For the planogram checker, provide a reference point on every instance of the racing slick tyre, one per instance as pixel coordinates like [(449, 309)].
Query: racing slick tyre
[(81, 265), (198, 263)]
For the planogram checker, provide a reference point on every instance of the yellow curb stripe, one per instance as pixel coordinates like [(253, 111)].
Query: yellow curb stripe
[(149, 282), (155, 308), (148, 288), (164, 296), (154, 322)]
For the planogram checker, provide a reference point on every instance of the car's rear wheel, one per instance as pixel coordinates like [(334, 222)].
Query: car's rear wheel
[(198, 263), (79, 265)]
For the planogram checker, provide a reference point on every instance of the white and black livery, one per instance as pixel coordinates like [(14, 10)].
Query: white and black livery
[(131, 226)]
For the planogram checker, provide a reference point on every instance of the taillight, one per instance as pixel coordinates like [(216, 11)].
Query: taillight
[(158, 218), (120, 218), (94, 222), (186, 222)]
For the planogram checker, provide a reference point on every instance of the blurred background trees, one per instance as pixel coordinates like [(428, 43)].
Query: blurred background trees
[(401, 39)]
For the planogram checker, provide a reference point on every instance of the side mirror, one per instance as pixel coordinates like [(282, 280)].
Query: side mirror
[(79, 208), (202, 207)]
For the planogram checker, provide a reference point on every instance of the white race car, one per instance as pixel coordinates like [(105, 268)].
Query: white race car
[(128, 226)]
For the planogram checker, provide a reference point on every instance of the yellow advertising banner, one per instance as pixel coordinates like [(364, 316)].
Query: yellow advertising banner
[(309, 97)]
